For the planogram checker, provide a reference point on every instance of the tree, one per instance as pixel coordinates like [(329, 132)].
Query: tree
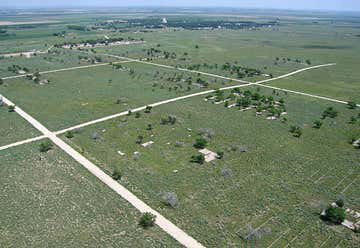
[(296, 131), (199, 159), (11, 108), (1, 81), (220, 154), (69, 134), (200, 143), (147, 220), (340, 202), (45, 146), (317, 124), (169, 199), (352, 105), (139, 139), (352, 120), (116, 175), (330, 112), (148, 109), (149, 127), (308, 62), (335, 214), (196, 46), (137, 115)]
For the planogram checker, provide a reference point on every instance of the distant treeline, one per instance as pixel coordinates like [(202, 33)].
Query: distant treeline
[(199, 24), (98, 41)]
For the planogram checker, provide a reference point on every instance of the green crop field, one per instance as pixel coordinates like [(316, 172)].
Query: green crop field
[(281, 157)]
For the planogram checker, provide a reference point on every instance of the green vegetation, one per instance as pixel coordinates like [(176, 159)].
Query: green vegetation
[(50, 200), (45, 146), (267, 187), (147, 220), (335, 215)]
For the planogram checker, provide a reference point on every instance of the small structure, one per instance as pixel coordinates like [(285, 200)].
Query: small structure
[(164, 21), (147, 144), (209, 155)]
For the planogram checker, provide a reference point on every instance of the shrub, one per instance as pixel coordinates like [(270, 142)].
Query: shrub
[(147, 220), (340, 202), (148, 109), (200, 143), (170, 120), (330, 112), (1, 81), (335, 214), (139, 139), (206, 132), (199, 159), (296, 131), (220, 154), (351, 105), (226, 172), (11, 108), (352, 120), (45, 146), (95, 136), (179, 144), (317, 124), (137, 115), (169, 199), (69, 134), (116, 175)]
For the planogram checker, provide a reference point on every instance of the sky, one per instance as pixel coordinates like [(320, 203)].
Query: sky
[(338, 5)]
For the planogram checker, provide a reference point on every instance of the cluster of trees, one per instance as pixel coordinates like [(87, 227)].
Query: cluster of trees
[(78, 27), (155, 52), (239, 71), (335, 214), (101, 41), (195, 24), (285, 60), (16, 68), (170, 120)]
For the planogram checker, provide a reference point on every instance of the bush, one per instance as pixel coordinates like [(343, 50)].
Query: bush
[(137, 115), (226, 172), (296, 131), (116, 175), (11, 108), (220, 154), (45, 146), (340, 202), (200, 143), (169, 199), (330, 112), (351, 105), (317, 124), (200, 159), (1, 81), (69, 134), (147, 220), (139, 139), (335, 214), (148, 109)]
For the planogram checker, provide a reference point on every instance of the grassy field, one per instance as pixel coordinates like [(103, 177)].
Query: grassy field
[(49, 200), (13, 128), (279, 177), (267, 179), (76, 96)]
